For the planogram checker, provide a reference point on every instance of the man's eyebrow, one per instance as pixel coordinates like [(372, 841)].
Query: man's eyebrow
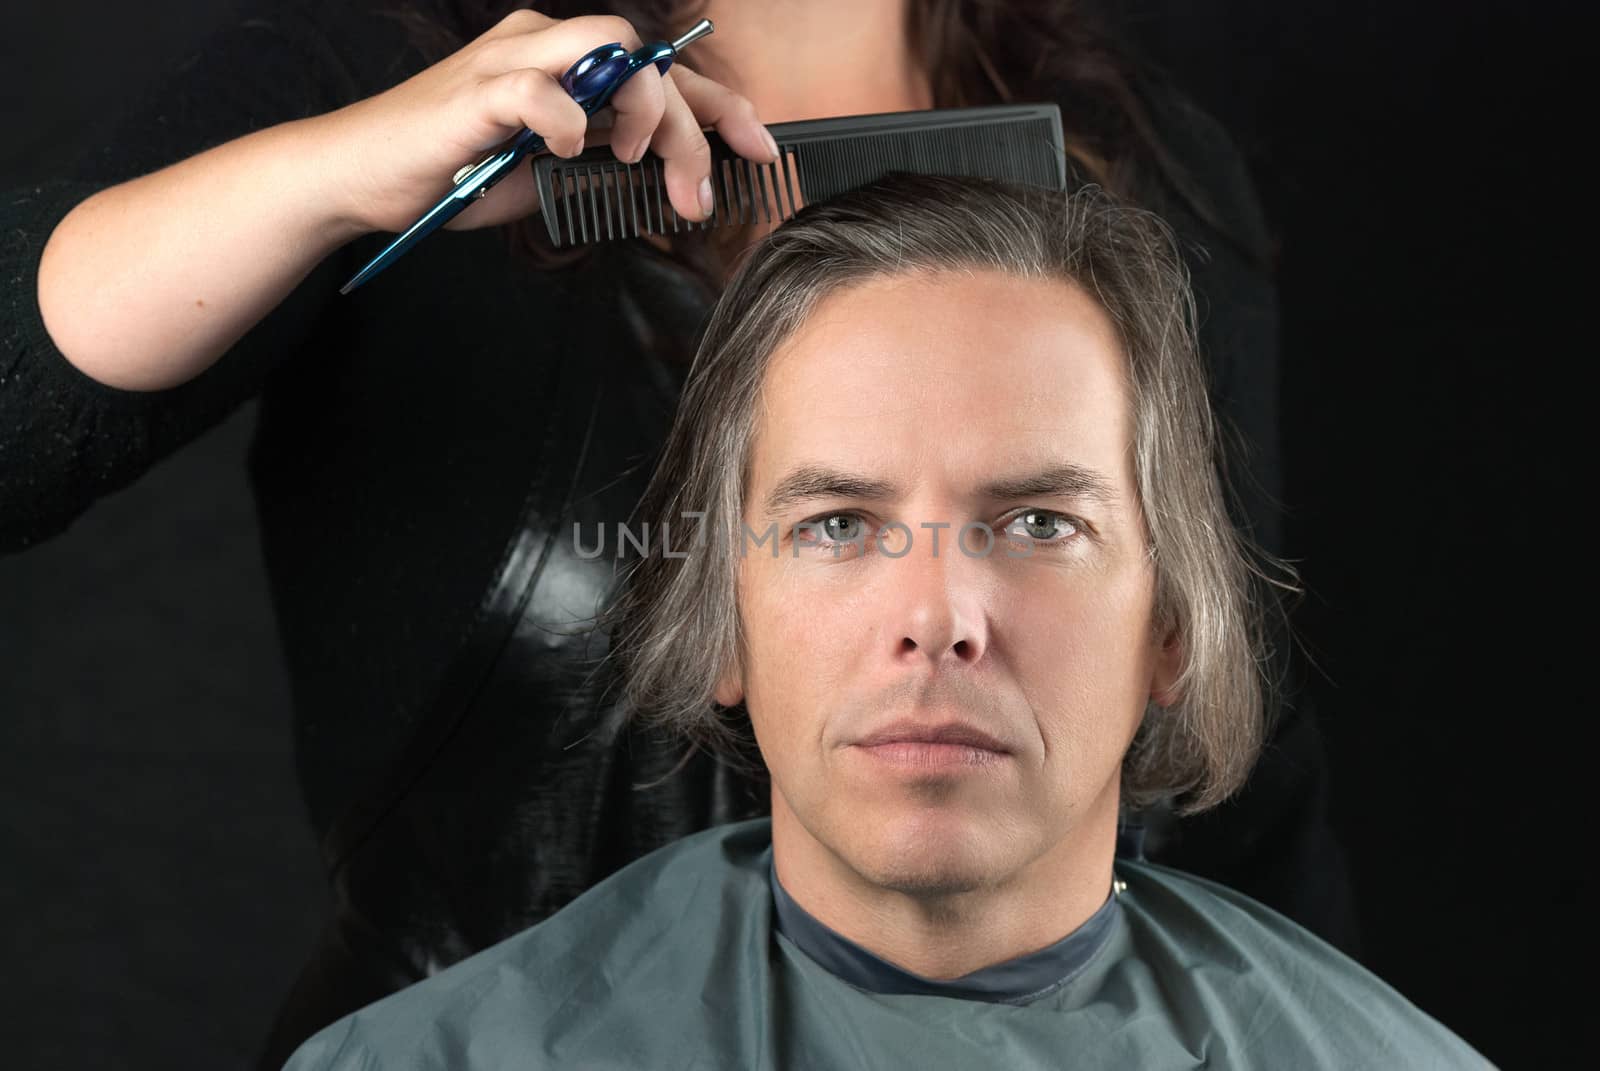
[(816, 481), (1066, 480)]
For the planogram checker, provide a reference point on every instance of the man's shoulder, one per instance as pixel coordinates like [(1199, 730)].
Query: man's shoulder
[(1290, 991), (515, 996)]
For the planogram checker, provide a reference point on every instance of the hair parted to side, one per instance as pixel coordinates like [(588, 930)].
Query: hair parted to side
[(675, 625)]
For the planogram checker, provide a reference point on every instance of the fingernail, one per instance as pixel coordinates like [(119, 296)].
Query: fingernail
[(706, 203), (772, 146)]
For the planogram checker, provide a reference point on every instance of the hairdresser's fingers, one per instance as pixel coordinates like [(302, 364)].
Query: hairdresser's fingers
[(553, 45), (529, 52), (681, 144), (733, 116), (524, 98), (637, 107)]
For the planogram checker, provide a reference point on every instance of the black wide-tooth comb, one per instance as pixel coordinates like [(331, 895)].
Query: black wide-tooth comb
[(595, 197)]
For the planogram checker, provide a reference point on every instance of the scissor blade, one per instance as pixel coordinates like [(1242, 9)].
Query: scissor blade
[(436, 217)]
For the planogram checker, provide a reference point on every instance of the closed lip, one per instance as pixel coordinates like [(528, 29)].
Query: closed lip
[(952, 732)]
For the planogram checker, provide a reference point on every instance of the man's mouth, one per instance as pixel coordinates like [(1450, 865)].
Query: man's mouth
[(923, 747), (907, 731)]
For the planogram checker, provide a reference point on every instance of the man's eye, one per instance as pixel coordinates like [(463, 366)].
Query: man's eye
[(834, 528), (1044, 526)]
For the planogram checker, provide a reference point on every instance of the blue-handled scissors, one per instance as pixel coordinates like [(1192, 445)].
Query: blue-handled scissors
[(591, 82)]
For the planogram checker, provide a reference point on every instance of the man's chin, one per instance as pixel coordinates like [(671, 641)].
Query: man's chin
[(926, 851)]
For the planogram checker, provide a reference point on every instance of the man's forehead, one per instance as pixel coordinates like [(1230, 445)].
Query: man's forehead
[(966, 382), (947, 348)]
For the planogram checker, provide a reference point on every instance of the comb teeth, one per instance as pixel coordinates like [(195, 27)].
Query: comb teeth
[(595, 197), (595, 200)]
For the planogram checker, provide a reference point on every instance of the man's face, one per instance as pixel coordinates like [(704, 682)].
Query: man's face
[(915, 399)]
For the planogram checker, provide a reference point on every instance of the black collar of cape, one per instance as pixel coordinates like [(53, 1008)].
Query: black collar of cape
[(1016, 981)]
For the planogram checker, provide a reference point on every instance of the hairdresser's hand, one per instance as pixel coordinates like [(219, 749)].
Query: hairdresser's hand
[(406, 144)]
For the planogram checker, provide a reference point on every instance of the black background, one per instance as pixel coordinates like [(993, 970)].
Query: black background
[(161, 885)]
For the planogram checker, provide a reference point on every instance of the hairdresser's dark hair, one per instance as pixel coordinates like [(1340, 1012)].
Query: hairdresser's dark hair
[(979, 52)]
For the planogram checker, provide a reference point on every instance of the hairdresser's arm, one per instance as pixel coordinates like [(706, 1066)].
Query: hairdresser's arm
[(67, 438), (145, 284)]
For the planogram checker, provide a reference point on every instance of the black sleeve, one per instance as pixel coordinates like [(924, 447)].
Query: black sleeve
[(65, 438), (1272, 841)]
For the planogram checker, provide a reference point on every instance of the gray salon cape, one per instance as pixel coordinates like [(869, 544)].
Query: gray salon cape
[(694, 957)]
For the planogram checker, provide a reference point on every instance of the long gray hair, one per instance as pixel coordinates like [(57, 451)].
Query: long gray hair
[(675, 625)]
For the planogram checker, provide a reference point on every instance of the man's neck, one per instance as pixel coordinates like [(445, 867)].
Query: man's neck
[(947, 936), (813, 60)]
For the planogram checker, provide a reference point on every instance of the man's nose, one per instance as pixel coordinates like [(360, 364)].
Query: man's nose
[(939, 610)]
